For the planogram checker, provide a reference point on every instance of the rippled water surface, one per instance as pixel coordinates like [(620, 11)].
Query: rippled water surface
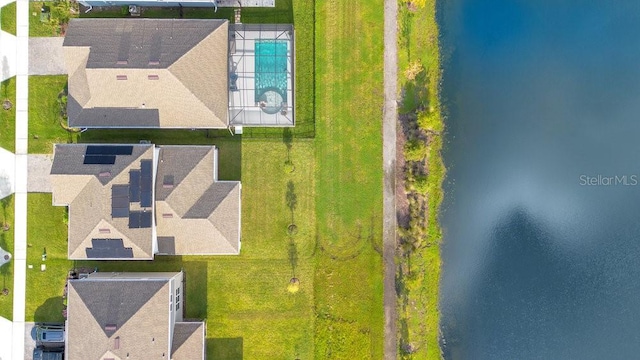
[(542, 236)]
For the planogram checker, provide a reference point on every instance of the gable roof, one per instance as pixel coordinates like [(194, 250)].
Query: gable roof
[(133, 312), (197, 214), (188, 340), (173, 73), (105, 213)]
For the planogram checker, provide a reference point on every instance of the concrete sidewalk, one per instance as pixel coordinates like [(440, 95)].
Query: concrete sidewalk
[(20, 224)]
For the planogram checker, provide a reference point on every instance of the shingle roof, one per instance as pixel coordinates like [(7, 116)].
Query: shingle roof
[(136, 311), (196, 213), (178, 67), (88, 189), (188, 339)]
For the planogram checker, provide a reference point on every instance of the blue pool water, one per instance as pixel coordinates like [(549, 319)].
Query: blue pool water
[(271, 69)]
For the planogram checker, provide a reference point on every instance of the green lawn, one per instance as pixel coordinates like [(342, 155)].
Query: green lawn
[(8, 117), (6, 271), (60, 13), (8, 18), (44, 114), (45, 230), (348, 280)]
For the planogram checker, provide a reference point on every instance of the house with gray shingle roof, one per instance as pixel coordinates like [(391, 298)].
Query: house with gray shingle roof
[(135, 201), (131, 316), (178, 73)]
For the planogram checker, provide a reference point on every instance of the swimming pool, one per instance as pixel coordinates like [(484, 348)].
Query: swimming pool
[(271, 74)]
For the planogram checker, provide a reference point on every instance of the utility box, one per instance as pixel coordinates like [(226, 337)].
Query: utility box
[(45, 13)]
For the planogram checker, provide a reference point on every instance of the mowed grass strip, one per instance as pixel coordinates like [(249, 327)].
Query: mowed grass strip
[(349, 98), (6, 270), (8, 18), (8, 117), (44, 114)]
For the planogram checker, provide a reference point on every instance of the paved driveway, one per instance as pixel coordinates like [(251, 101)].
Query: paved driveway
[(39, 167), (29, 340), (45, 56), (7, 168)]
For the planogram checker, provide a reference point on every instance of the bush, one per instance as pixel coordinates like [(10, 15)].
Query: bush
[(421, 184), (430, 121), (415, 150)]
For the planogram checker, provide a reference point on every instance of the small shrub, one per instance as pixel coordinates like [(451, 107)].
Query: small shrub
[(294, 285), (430, 121), (413, 70), (421, 184), (415, 150)]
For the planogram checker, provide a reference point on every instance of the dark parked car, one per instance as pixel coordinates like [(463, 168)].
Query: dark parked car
[(48, 354), (50, 335)]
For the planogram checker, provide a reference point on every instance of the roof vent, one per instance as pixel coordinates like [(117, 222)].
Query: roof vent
[(110, 327), (104, 231), (116, 343), (122, 62), (153, 77), (154, 62), (121, 77), (104, 174), (167, 215)]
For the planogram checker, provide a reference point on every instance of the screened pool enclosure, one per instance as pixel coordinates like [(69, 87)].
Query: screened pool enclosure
[(261, 66)]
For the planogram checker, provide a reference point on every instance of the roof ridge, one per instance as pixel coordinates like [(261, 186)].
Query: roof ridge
[(226, 198), (187, 55)]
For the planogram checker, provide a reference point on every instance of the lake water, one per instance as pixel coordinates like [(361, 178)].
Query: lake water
[(542, 242)]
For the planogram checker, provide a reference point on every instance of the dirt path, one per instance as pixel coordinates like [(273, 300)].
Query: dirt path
[(390, 115)]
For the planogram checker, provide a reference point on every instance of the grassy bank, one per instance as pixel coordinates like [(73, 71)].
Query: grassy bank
[(420, 76), (8, 18), (8, 117)]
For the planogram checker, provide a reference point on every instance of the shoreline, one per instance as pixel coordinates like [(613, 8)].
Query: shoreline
[(421, 172)]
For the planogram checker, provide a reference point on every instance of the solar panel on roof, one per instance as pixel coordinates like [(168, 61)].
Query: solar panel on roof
[(109, 150), (120, 190), (145, 199), (145, 219), (134, 219), (119, 212), (146, 184), (120, 202), (134, 185), (134, 194), (99, 159), (108, 248), (145, 168)]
